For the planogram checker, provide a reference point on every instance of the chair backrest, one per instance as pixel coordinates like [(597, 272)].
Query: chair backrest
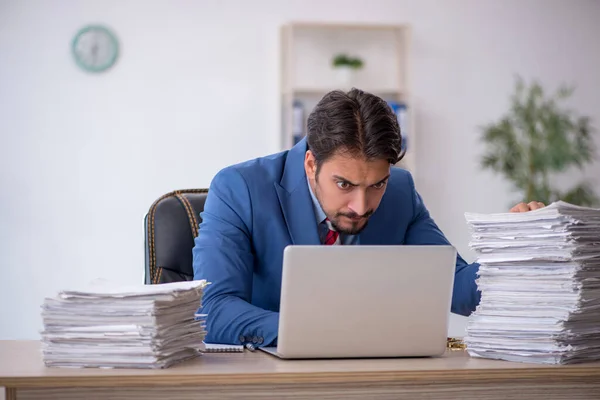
[(171, 225)]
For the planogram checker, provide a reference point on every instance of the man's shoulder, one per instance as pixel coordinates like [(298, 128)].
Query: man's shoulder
[(258, 171), (401, 187), (398, 201), (401, 179)]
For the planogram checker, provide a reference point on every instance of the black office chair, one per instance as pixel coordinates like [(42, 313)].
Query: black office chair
[(171, 226)]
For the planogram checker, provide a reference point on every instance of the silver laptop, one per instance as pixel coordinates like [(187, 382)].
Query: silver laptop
[(365, 301)]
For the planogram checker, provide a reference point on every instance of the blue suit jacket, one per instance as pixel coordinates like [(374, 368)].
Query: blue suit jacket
[(256, 208)]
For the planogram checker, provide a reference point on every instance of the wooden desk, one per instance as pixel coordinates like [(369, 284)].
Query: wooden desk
[(259, 376)]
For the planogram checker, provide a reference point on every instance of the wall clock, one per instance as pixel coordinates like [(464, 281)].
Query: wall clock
[(95, 48)]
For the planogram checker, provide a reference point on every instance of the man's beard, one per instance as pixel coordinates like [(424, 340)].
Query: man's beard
[(355, 229), (333, 219)]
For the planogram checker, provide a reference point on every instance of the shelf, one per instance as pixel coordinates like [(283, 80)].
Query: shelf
[(322, 91), (307, 71), (344, 25)]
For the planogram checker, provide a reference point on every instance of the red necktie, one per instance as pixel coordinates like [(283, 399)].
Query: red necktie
[(332, 235)]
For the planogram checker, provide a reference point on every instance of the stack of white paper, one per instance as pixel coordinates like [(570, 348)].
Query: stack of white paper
[(111, 326), (540, 285)]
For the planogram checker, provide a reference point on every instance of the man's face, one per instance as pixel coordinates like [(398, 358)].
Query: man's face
[(348, 188)]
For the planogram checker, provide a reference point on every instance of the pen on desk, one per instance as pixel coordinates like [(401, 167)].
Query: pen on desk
[(250, 346)]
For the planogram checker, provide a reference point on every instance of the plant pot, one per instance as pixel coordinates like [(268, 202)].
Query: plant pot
[(344, 76)]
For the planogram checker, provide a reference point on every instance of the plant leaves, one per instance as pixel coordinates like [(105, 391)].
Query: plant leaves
[(581, 195), (537, 138)]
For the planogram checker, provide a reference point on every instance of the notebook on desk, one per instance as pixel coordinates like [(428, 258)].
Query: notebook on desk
[(364, 301), (223, 348)]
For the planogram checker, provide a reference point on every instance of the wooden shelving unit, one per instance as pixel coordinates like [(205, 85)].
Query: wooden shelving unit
[(308, 74)]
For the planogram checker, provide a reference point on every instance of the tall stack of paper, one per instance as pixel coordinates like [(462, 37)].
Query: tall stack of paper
[(111, 326), (540, 285)]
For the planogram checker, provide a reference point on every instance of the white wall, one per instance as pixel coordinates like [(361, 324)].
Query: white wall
[(82, 157)]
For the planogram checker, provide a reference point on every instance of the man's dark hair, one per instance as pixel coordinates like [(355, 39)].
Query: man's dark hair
[(357, 123)]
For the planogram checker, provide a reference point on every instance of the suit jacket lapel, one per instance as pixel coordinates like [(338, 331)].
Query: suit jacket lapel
[(295, 200)]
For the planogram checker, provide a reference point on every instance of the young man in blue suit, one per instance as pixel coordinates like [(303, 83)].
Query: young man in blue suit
[(338, 186)]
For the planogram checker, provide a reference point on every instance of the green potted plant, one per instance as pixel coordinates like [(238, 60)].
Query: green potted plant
[(345, 67), (537, 139)]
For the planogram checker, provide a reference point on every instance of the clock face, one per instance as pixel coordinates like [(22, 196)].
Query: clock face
[(95, 48)]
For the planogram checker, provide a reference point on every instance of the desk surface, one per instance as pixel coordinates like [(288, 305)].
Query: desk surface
[(21, 366)]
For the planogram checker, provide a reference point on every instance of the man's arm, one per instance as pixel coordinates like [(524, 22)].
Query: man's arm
[(424, 231), (223, 256)]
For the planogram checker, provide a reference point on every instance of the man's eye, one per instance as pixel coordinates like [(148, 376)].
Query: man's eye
[(343, 185), (379, 185)]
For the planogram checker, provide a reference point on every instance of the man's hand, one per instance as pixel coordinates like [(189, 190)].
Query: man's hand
[(532, 205)]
